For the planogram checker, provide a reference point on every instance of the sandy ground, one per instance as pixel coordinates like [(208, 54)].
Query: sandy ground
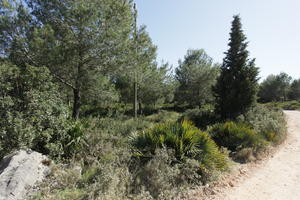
[(279, 177)]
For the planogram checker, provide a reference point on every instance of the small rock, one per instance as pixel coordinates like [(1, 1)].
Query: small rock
[(231, 184)]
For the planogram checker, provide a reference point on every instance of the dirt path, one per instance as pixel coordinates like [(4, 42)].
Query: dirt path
[(279, 177)]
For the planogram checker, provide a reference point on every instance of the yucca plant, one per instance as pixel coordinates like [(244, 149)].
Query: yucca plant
[(185, 139)]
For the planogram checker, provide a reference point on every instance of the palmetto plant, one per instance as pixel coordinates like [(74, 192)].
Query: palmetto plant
[(185, 139)]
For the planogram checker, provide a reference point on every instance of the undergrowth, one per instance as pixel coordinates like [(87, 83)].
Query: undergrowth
[(157, 157)]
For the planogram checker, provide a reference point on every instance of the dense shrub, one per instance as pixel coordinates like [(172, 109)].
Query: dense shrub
[(32, 112), (201, 117), (108, 170), (287, 105), (187, 142), (166, 159), (236, 136), (268, 122)]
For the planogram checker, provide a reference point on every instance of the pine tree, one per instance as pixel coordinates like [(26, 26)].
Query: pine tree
[(237, 86), (78, 40), (195, 75), (294, 93)]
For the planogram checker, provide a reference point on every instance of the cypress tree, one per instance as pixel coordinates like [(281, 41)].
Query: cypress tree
[(237, 86)]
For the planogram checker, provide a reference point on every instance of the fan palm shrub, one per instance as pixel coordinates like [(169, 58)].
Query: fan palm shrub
[(187, 141)]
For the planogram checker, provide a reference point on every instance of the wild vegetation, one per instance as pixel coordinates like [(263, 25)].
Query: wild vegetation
[(80, 82)]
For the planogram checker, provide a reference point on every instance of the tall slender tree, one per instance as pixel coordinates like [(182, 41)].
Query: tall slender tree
[(237, 86)]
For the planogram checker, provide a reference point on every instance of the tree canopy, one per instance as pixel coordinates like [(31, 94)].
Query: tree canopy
[(275, 88), (74, 39), (195, 76)]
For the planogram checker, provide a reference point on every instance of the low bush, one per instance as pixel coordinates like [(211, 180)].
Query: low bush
[(287, 105), (236, 137), (158, 175), (266, 121), (163, 117), (187, 141), (201, 117), (104, 164)]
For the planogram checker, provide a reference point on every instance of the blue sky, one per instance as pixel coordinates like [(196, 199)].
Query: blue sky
[(271, 26)]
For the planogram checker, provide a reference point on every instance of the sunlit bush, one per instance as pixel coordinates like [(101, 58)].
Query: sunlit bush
[(268, 122), (186, 140), (236, 137)]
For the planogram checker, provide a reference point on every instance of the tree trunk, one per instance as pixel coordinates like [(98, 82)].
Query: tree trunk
[(135, 106), (140, 108), (76, 103)]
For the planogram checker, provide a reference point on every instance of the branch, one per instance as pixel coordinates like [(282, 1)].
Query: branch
[(53, 74), (63, 81)]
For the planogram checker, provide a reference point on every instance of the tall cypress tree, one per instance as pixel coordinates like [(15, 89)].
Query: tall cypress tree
[(237, 86)]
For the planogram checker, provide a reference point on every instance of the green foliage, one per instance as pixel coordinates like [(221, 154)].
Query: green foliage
[(92, 50), (163, 117), (294, 93), (252, 133), (187, 142), (195, 76), (236, 136), (287, 105), (76, 40), (155, 84), (113, 110), (74, 141), (100, 91), (201, 117), (167, 158), (237, 85), (32, 113), (275, 88), (268, 122)]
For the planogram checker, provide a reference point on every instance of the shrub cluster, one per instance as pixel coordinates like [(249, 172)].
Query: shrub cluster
[(287, 105), (111, 170), (201, 117), (268, 122), (33, 114), (235, 136), (239, 138), (252, 133), (187, 141)]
